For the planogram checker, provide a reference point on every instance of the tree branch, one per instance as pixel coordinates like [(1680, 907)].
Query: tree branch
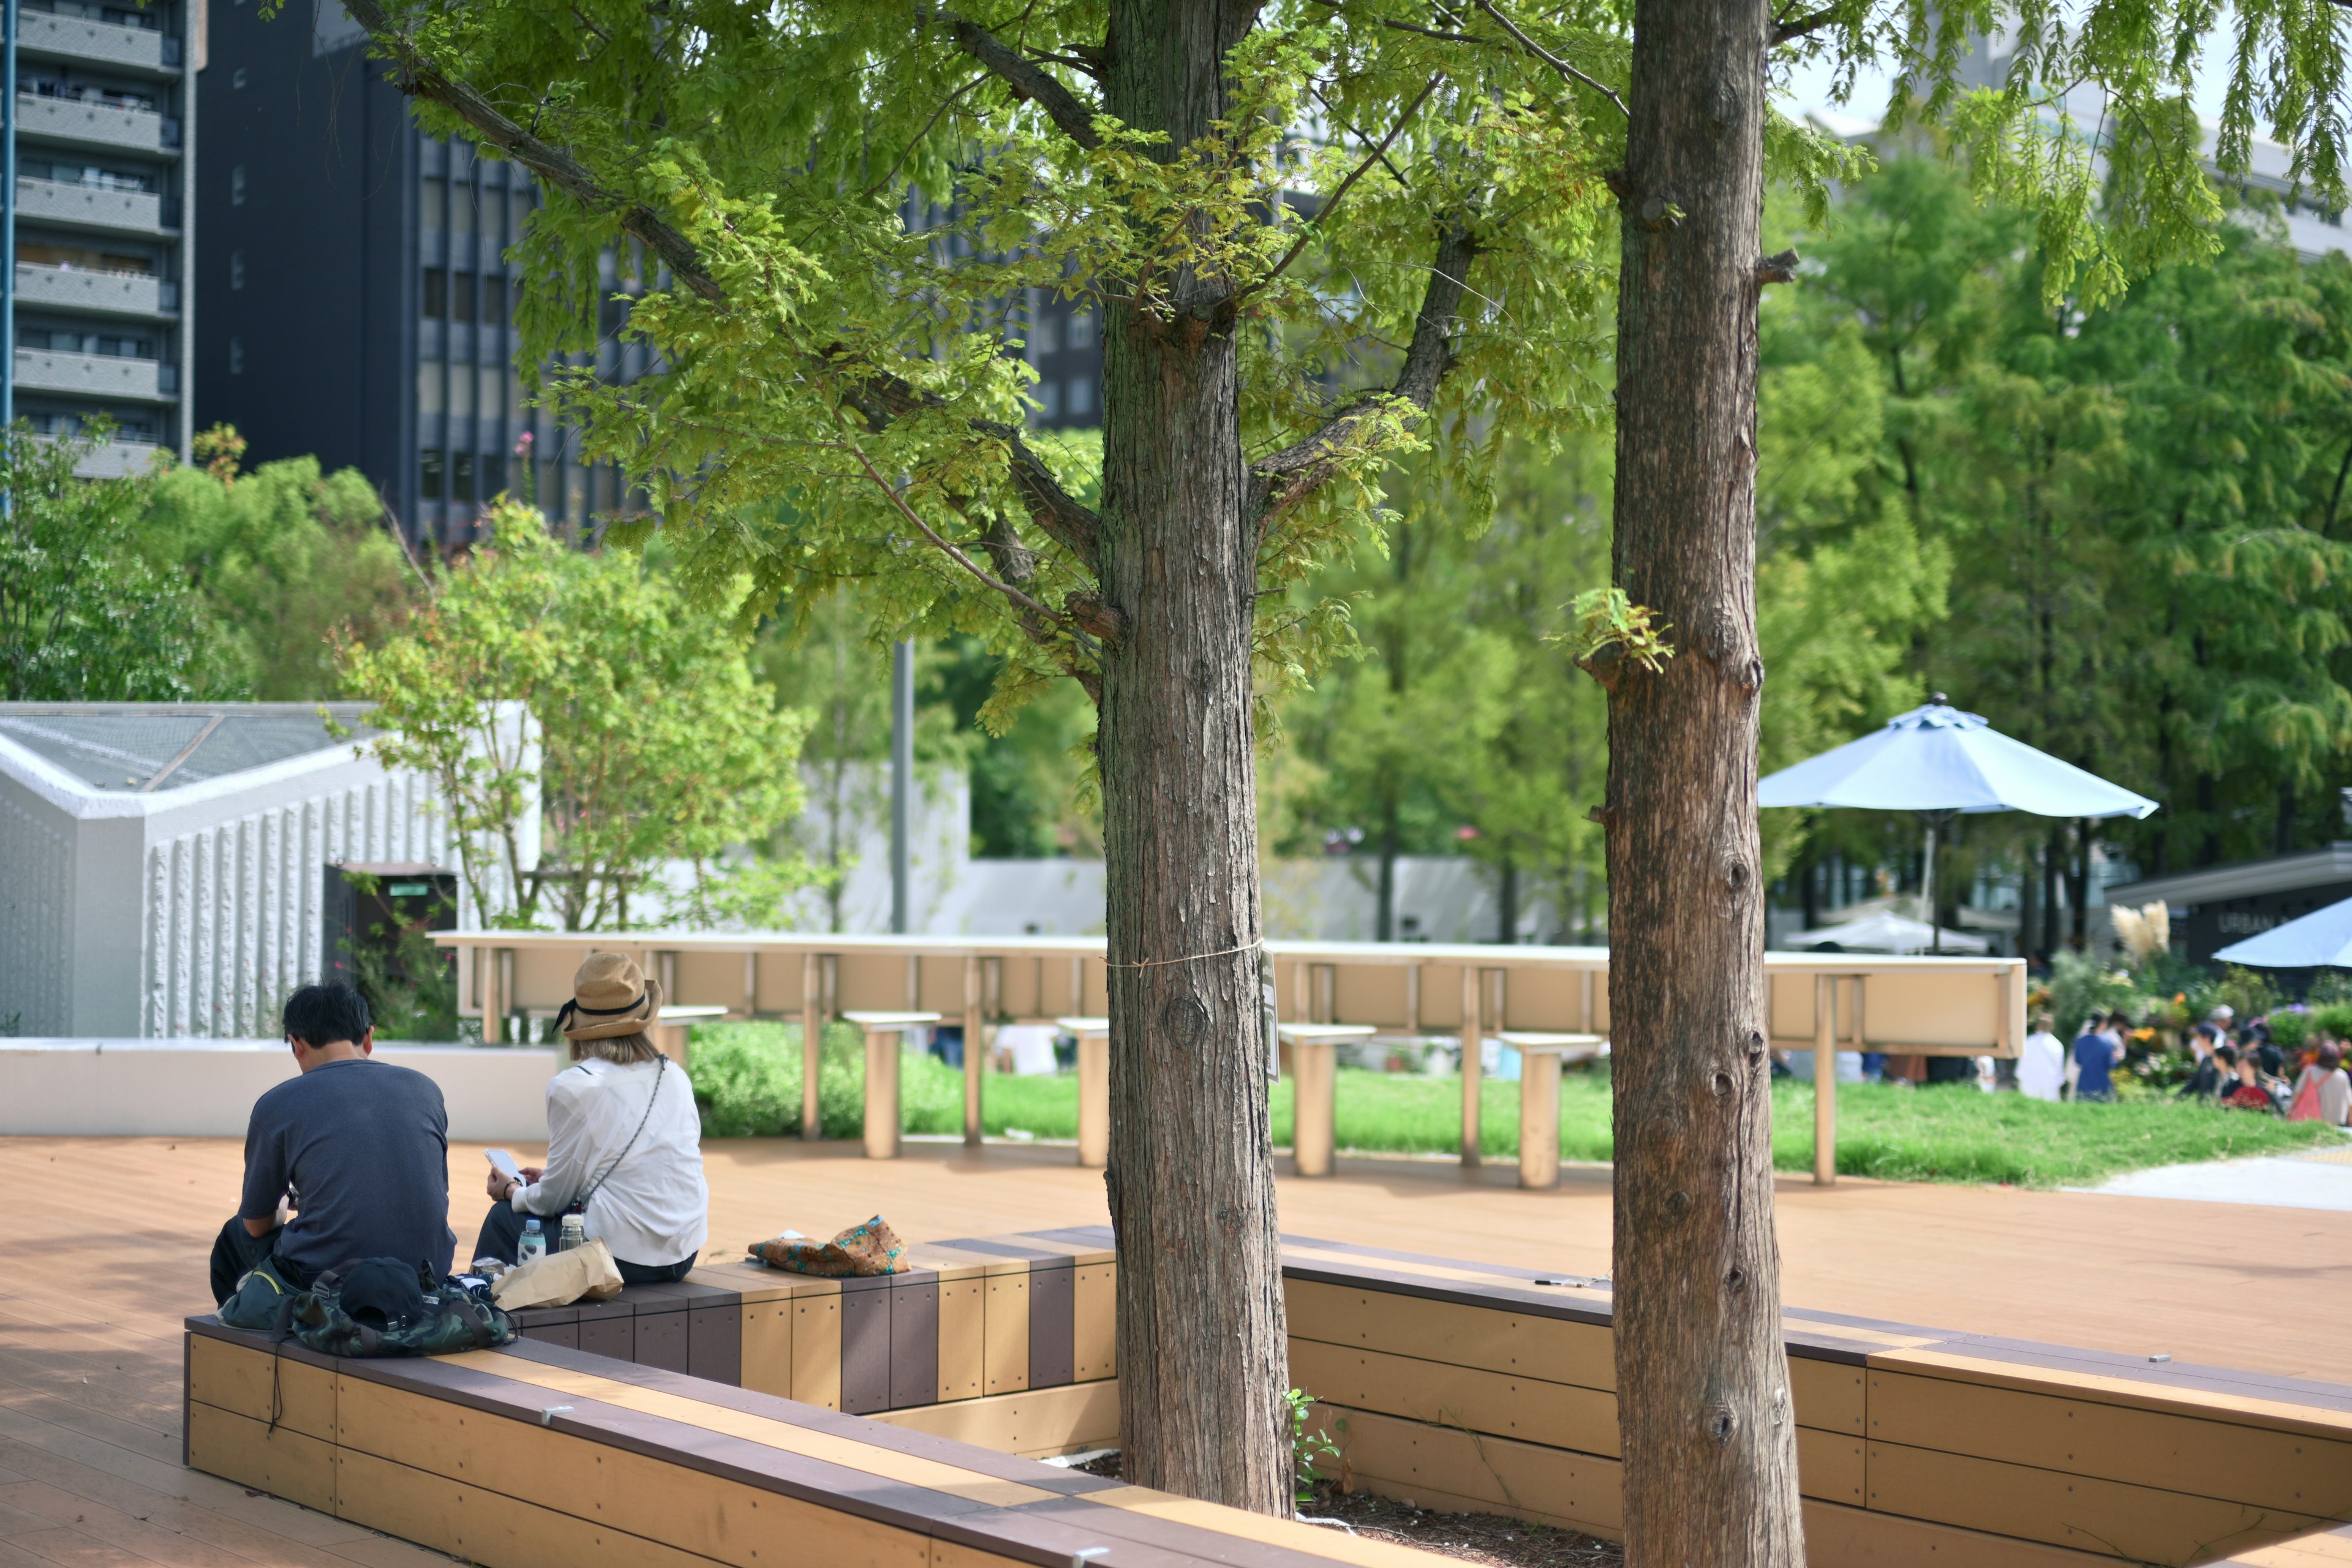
[(1291, 475), (1789, 32), (898, 501), (1553, 60), (1378, 156), (878, 397), (1074, 117), (423, 78)]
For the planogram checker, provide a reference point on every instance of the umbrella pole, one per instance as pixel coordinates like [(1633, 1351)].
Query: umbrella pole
[(1927, 880)]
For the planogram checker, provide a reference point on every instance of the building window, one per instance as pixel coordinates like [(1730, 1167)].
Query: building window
[(1082, 329), (236, 268), (432, 201), (436, 293), (1045, 336), (461, 296), (236, 186), (494, 298), (494, 474), (237, 356), (428, 473), (428, 387), (1082, 398), (461, 476)]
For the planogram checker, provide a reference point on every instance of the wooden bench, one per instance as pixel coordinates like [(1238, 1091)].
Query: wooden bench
[(541, 1457), (1470, 1386)]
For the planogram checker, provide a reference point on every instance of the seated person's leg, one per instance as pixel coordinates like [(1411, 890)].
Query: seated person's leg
[(501, 1235), (649, 1273), (235, 1251)]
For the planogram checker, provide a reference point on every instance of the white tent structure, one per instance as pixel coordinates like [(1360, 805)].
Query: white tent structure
[(165, 863), (1940, 762), (1884, 930)]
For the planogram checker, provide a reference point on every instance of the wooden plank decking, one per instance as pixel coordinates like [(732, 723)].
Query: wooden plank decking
[(102, 1247)]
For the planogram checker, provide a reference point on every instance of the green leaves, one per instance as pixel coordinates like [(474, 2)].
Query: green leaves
[(646, 739)]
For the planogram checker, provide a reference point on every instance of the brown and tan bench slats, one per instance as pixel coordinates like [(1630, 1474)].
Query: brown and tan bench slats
[(1458, 1384), (666, 1468)]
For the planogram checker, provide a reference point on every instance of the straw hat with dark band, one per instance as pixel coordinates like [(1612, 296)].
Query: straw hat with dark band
[(610, 996)]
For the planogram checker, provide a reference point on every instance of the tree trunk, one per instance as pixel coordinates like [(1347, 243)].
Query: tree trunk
[(1507, 902), (1384, 917), (1710, 1457), (1202, 1354)]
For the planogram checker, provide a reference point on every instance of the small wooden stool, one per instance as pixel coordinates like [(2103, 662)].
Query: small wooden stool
[(883, 1033), (1540, 1055), (1313, 1074), (1094, 1089), (669, 1029)]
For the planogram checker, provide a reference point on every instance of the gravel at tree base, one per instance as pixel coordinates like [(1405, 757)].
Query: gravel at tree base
[(1489, 1539)]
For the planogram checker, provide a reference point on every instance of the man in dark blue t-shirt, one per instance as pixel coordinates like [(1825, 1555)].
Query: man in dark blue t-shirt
[(359, 1147), (2097, 1049)]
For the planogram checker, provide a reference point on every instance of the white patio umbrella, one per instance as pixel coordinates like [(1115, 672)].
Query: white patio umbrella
[(1886, 932), (2320, 939), (1937, 761)]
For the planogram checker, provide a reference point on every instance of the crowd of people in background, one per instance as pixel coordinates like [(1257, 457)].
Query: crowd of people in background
[(2237, 1068)]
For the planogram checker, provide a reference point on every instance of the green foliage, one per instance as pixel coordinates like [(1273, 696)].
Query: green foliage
[(412, 992), (1604, 618), (2081, 984), (84, 615), (1310, 1449), (650, 740), (746, 1081), (290, 562)]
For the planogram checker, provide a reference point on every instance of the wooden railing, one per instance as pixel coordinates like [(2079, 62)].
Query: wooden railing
[(1823, 1002)]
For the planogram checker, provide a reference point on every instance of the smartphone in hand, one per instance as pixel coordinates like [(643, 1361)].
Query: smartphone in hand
[(504, 1162)]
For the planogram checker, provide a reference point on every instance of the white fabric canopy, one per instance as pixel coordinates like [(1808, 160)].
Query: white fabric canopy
[(1937, 758), (1886, 932), (2320, 939)]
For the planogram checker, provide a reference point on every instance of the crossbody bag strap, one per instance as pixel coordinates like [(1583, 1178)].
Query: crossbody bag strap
[(594, 1187)]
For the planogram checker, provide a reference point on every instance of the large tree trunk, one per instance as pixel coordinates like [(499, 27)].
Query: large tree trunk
[(1202, 1360), (1710, 1474)]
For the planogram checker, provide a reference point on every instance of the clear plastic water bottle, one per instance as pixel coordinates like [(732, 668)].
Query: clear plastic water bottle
[(575, 1233), (534, 1243)]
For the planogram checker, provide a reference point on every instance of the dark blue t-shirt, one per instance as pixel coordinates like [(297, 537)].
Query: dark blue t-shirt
[(2095, 1054), (364, 1148)]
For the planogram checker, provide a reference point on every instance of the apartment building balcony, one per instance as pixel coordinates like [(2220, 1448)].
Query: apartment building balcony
[(117, 458), (97, 125), (96, 207), (144, 51), (97, 375), (97, 293)]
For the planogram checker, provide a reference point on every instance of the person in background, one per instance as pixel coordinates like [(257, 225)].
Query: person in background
[(361, 1149), (2097, 1049), (2042, 1068), (2206, 1082), (2329, 1085), (2249, 1093), (624, 1139)]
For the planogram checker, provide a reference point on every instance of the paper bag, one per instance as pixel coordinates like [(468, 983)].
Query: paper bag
[(586, 1273)]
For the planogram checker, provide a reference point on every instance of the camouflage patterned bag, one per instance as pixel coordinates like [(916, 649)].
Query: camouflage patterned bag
[(452, 1318)]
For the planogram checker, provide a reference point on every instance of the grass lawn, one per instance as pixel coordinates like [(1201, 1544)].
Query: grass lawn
[(748, 1078)]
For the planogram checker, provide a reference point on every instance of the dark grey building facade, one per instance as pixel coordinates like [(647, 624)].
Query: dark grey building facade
[(358, 305)]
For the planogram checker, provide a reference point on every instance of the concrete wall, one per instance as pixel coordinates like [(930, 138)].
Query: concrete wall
[(205, 1088)]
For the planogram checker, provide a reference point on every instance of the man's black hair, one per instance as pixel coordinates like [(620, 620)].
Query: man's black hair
[(321, 1015)]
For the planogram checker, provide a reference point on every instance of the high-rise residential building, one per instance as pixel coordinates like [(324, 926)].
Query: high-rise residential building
[(98, 144)]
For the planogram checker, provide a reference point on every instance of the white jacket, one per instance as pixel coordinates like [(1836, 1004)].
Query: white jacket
[(653, 1208)]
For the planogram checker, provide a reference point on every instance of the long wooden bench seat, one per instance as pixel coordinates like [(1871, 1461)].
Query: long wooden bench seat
[(541, 1457), (1465, 1386)]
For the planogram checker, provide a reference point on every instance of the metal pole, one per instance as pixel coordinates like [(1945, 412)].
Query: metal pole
[(8, 219), (902, 774), (1927, 880)]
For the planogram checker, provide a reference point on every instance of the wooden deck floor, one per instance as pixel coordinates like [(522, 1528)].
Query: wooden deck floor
[(103, 1242)]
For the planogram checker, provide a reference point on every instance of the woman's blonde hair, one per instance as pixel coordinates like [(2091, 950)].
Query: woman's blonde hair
[(624, 1049)]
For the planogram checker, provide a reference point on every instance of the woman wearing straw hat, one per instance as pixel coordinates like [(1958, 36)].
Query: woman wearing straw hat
[(624, 1139)]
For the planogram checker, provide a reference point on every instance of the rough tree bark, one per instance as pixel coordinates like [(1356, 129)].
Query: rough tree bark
[(1710, 1474), (1201, 1343)]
